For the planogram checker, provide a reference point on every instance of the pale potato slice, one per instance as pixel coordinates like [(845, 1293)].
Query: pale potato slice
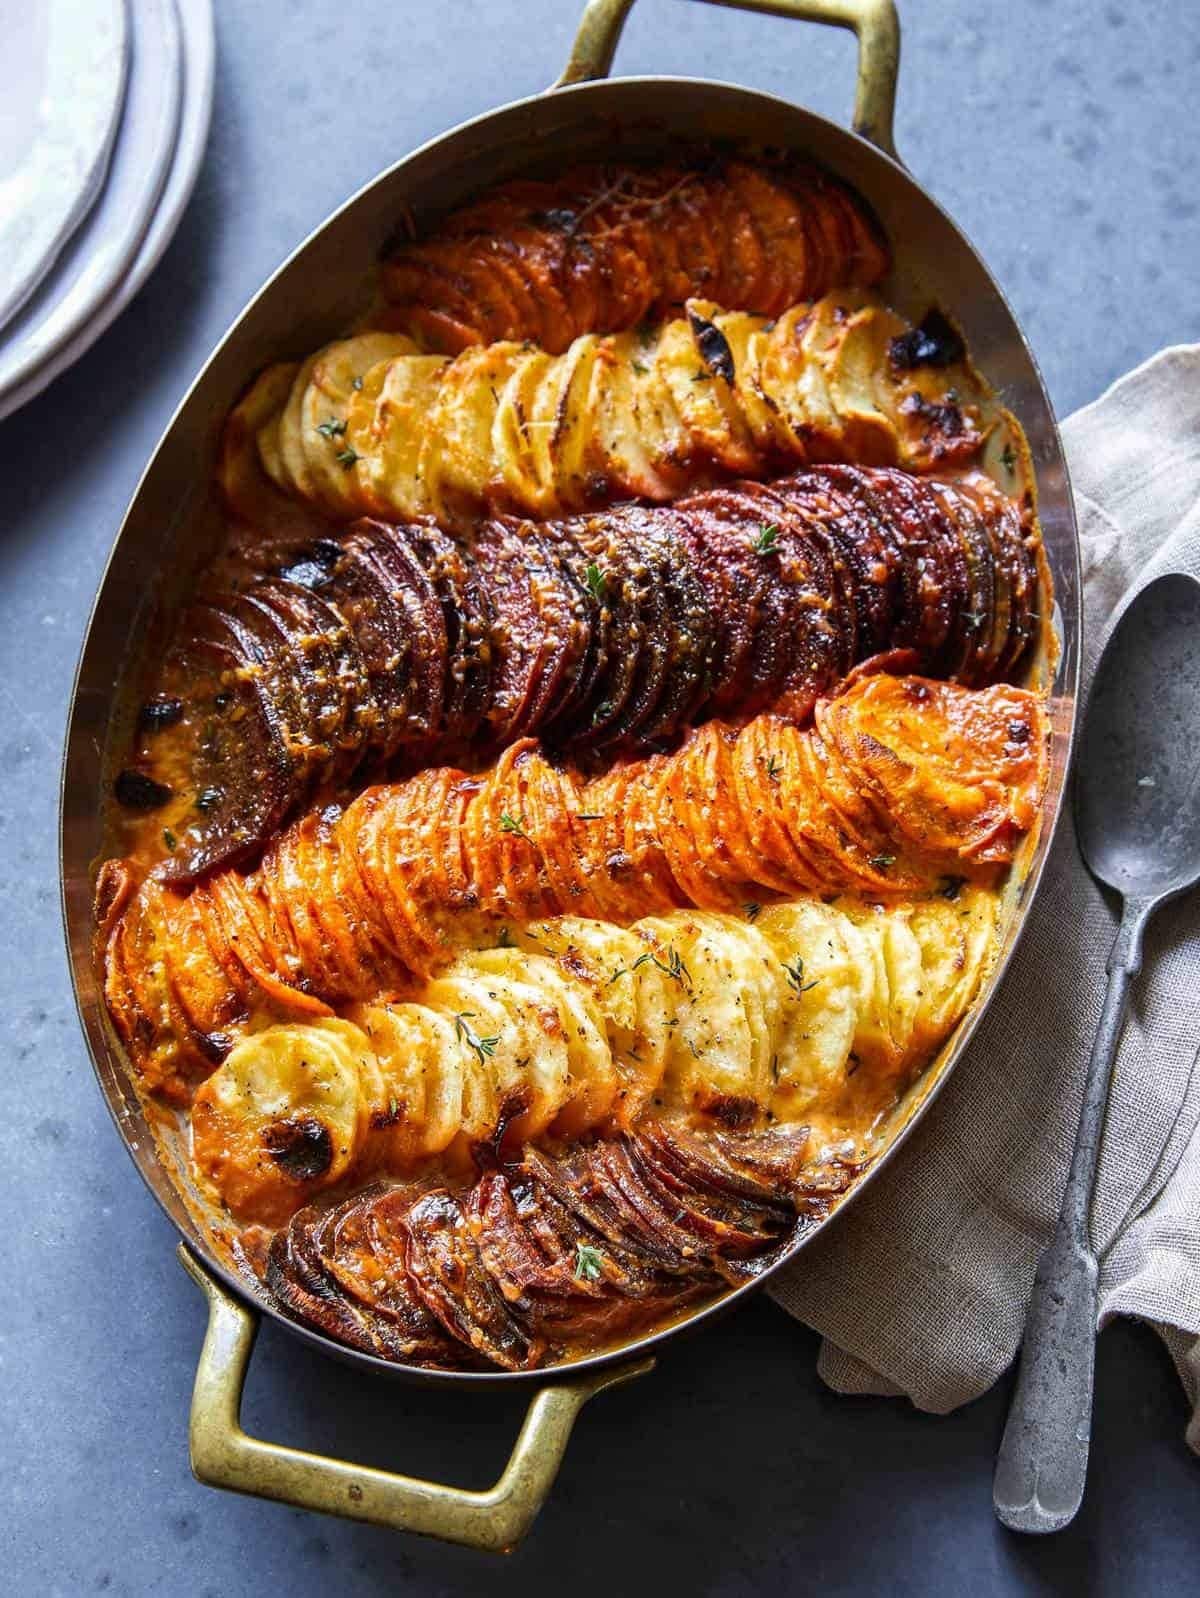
[(714, 430), (600, 956), (569, 437), (514, 447), (892, 982), (909, 397), (957, 944), (747, 342), (792, 375), (285, 1115), (517, 1030), (286, 453), (429, 1040), (458, 463), (402, 1046), (334, 464), (587, 1094), (241, 470), (821, 998), (385, 426), (545, 403), (668, 444), (617, 452), (477, 1024), (711, 1050), (872, 1042), (853, 365)]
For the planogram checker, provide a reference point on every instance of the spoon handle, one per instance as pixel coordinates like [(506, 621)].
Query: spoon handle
[(1042, 1464)]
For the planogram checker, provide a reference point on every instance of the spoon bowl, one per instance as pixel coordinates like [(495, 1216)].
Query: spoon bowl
[(1137, 785)]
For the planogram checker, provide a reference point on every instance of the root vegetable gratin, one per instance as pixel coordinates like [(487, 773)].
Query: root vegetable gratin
[(576, 804)]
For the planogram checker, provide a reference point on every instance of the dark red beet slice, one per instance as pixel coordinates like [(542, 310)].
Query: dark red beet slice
[(335, 678), (246, 778), (382, 629), (446, 1271), (641, 559), (566, 619), (376, 1281), (600, 566), (412, 590), (299, 1283), (518, 637), (466, 614), (694, 628)]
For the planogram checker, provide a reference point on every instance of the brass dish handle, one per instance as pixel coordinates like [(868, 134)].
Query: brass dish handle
[(874, 21), (224, 1456)]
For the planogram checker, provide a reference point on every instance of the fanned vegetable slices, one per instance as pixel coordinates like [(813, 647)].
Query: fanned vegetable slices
[(531, 1258), (287, 1112), (900, 785), (600, 249), (395, 646), (507, 427), (679, 889), (578, 1027)]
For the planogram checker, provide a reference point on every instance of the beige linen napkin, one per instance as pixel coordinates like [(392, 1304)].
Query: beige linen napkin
[(922, 1288)]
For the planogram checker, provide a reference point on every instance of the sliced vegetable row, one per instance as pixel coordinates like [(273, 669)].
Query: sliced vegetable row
[(395, 646), (600, 248), (901, 783), (577, 1027), (369, 426), (553, 1252)]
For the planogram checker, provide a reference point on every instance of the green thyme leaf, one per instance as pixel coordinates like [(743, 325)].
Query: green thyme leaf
[(672, 967), (752, 909), (169, 838), (346, 458), (483, 1047), (331, 428), (589, 1263), (515, 824), (881, 862), (767, 542), (596, 581), (795, 976)]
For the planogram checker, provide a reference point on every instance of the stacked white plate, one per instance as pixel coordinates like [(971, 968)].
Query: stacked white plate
[(104, 114)]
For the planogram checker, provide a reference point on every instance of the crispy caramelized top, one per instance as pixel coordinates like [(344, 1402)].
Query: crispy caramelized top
[(600, 249), (369, 426)]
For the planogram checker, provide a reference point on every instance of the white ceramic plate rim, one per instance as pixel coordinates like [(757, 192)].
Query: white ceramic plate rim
[(67, 163), (103, 248), (199, 64)]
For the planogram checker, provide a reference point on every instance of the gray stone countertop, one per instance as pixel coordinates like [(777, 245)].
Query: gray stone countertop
[(1062, 136)]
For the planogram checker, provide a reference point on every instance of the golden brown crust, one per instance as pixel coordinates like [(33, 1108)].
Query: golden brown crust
[(602, 248), (636, 415)]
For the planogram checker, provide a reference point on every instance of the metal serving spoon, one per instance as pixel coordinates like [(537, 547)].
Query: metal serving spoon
[(1137, 814)]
